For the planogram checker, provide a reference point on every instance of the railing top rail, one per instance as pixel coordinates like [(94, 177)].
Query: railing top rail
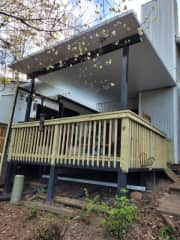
[(95, 117)]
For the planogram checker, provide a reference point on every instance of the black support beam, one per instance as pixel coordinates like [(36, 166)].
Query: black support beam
[(57, 101), (51, 185), (92, 54), (124, 79), (121, 181), (29, 101)]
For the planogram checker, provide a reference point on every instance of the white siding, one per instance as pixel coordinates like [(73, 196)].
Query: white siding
[(161, 106), (159, 21), (6, 101)]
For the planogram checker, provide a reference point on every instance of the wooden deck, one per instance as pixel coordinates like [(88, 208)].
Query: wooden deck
[(114, 139)]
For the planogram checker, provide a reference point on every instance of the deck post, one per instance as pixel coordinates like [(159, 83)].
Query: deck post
[(52, 176), (51, 185), (4, 156), (29, 100), (8, 177), (61, 107), (121, 181), (153, 179), (124, 80)]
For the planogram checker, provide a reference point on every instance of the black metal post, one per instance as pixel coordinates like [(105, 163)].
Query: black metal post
[(61, 107), (3, 166), (121, 181), (8, 176), (51, 185), (29, 101), (42, 102), (153, 179), (124, 80)]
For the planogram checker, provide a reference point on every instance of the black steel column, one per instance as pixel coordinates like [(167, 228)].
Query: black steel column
[(61, 107), (51, 185), (29, 101), (124, 80), (121, 181), (5, 169), (8, 177)]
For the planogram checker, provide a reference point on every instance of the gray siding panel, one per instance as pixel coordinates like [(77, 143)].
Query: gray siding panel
[(160, 105), (159, 23)]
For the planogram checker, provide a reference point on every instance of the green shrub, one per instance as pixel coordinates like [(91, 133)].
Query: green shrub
[(116, 217), (120, 217)]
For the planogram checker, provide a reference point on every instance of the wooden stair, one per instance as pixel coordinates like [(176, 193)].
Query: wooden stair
[(170, 203), (172, 175)]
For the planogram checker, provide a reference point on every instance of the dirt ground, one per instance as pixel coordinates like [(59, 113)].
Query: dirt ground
[(21, 223)]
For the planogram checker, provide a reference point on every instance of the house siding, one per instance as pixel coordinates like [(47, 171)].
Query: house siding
[(6, 101), (159, 21), (161, 106)]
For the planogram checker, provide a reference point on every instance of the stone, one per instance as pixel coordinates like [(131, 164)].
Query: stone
[(137, 196)]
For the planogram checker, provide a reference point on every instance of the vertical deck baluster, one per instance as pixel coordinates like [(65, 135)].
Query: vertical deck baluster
[(31, 144), (37, 147), (44, 145), (15, 144), (89, 142), (104, 143), (115, 141), (139, 147), (34, 144), (66, 161), (51, 143), (142, 158), (59, 143), (40, 158), (75, 144), (47, 146), (28, 144), (85, 140), (94, 144), (131, 154), (109, 143), (71, 144), (63, 143), (99, 142), (22, 144), (80, 144), (19, 144)]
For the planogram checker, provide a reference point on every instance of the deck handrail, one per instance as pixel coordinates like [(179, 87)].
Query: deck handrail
[(99, 116), (114, 139)]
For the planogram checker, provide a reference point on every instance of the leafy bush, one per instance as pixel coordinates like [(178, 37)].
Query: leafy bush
[(120, 216), (116, 217)]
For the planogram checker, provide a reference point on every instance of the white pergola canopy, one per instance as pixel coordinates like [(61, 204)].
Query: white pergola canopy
[(93, 82)]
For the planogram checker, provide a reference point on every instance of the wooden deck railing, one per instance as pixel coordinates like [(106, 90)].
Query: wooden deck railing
[(99, 140), (3, 128)]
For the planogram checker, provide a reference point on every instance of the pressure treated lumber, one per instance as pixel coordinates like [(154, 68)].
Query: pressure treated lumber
[(51, 208), (68, 201), (171, 174), (107, 140)]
